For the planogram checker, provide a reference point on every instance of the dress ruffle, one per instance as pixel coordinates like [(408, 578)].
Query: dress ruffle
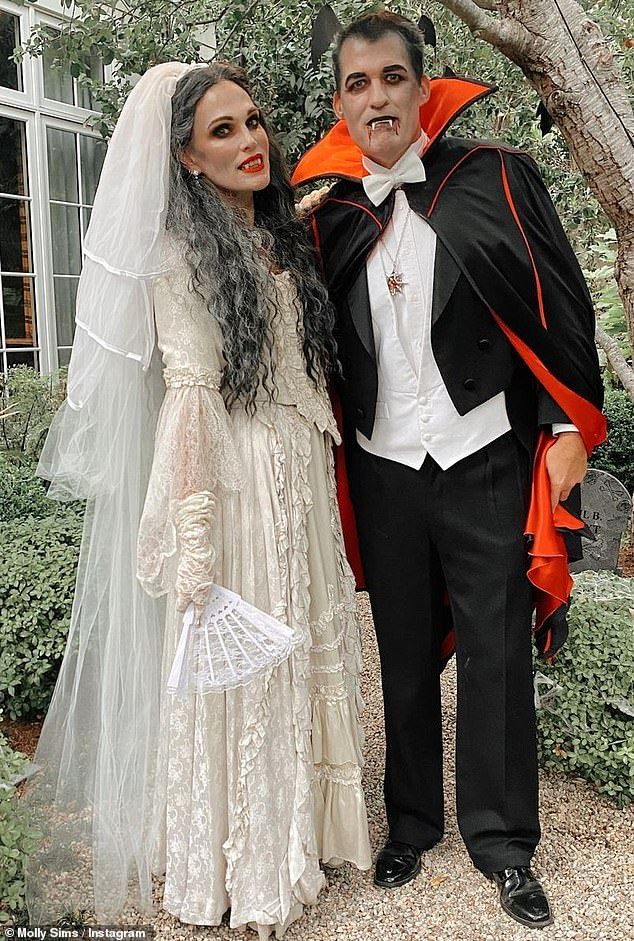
[(340, 816)]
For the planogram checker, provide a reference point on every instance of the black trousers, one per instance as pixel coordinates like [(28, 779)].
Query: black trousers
[(464, 524)]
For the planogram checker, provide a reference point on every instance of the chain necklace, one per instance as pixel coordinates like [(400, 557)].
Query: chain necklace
[(395, 279)]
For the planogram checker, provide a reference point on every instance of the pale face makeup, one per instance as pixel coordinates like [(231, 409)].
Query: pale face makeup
[(380, 97), (229, 145)]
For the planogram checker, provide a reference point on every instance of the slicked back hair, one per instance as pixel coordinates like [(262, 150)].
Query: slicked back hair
[(372, 27)]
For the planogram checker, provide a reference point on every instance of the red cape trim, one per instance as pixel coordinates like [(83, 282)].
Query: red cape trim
[(509, 199), (455, 167), (336, 154)]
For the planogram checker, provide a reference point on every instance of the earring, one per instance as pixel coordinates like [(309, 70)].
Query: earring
[(194, 173)]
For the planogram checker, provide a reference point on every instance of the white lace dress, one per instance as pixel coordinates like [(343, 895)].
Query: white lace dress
[(256, 785)]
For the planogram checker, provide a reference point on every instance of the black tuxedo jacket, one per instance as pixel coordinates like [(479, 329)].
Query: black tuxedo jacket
[(511, 310), (474, 357)]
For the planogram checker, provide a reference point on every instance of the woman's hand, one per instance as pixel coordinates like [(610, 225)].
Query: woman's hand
[(311, 200), (194, 527)]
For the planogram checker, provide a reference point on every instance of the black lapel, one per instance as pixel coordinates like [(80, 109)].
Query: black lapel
[(358, 298), (446, 274), (446, 270), (348, 226)]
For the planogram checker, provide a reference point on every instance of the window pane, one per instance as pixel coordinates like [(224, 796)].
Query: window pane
[(65, 294), (85, 220), (94, 69), (10, 73), (23, 358), (58, 83), (19, 311), (13, 175), (15, 238), (92, 153), (63, 356), (62, 165), (65, 237)]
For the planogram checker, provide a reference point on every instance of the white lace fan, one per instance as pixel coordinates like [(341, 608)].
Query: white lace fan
[(231, 644)]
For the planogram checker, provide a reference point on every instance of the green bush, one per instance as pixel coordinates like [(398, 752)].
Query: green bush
[(617, 454), (38, 560), (586, 725), (17, 836), (28, 402), (22, 493), (11, 762)]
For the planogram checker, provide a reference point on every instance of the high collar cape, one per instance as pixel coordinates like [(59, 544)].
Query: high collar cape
[(490, 209), (336, 154)]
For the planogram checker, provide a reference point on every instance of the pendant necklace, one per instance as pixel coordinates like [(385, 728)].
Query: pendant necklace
[(395, 279)]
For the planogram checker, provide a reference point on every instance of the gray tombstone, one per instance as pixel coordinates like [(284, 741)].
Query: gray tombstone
[(606, 507)]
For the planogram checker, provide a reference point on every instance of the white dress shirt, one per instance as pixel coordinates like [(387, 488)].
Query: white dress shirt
[(415, 415)]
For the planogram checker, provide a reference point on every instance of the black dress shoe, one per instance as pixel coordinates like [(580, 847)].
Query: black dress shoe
[(396, 864), (522, 896)]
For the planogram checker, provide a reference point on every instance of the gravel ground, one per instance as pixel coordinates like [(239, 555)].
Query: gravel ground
[(585, 859)]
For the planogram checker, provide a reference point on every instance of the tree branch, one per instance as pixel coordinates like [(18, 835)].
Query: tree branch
[(237, 25), (616, 359), (471, 13)]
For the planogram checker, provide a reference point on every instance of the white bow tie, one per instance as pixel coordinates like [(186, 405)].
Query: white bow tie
[(379, 185)]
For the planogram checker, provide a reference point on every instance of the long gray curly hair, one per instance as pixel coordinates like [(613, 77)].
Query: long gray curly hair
[(225, 257)]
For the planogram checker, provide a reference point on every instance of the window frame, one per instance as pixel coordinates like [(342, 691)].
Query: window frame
[(11, 95), (28, 118), (51, 106), (61, 125), (38, 113)]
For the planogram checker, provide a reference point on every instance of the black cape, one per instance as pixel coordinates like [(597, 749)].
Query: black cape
[(489, 207)]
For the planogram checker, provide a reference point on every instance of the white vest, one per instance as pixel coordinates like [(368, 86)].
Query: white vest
[(415, 415)]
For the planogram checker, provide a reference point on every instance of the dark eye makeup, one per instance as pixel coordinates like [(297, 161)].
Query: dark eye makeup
[(223, 129), (392, 78)]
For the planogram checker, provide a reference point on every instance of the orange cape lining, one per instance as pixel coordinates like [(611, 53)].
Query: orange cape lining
[(336, 154)]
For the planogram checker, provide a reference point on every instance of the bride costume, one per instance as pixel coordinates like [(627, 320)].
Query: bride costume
[(234, 797)]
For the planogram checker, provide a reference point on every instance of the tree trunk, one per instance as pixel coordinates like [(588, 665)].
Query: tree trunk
[(566, 58)]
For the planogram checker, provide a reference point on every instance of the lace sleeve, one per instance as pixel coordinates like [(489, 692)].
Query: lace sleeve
[(194, 459)]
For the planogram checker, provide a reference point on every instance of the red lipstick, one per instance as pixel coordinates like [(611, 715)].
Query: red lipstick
[(254, 164)]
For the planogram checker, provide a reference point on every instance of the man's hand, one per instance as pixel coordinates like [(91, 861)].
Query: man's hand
[(566, 463)]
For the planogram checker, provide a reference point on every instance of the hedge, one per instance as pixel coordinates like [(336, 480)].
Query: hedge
[(38, 561), (587, 724)]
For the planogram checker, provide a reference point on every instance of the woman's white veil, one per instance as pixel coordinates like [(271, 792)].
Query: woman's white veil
[(92, 794)]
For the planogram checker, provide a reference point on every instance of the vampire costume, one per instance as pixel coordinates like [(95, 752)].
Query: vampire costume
[(465, 330)]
